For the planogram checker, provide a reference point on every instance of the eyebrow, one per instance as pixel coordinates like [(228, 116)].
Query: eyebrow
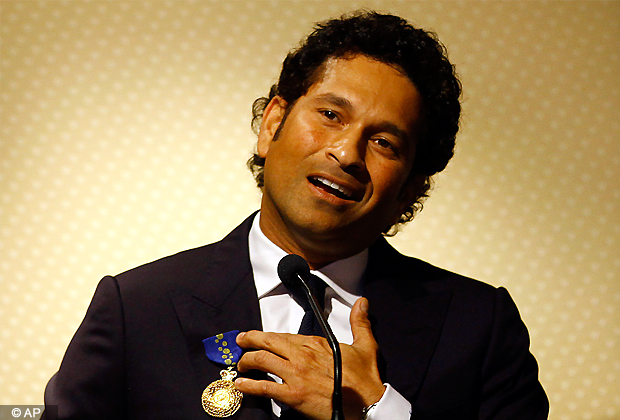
[(336, 100), (393, 129), (386, 126)]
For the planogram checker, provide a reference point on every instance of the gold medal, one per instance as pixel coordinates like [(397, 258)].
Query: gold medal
[(221, 398)]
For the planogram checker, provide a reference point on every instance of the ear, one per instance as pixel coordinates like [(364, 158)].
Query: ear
[(272, 117), (411, 191)]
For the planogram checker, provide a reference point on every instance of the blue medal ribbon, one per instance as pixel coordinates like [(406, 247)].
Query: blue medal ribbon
[(223, 348)]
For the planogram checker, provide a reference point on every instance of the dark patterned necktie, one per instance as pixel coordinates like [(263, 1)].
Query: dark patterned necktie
[(309, 326)]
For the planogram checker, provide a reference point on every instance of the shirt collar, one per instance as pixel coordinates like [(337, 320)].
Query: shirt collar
[(343, 276)]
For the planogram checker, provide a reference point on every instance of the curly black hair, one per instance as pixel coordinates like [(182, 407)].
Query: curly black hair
[(392, 40)]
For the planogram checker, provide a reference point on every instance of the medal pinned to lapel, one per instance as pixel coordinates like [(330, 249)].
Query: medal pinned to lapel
[(221, 398)]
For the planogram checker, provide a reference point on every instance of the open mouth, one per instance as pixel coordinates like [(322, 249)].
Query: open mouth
[(332, 188)]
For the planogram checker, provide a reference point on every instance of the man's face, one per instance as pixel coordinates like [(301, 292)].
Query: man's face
[(336, 175)]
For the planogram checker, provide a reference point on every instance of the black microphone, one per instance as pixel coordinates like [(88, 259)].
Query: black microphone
[(293, 270)]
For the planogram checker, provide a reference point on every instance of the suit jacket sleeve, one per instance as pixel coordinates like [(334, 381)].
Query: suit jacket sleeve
[(510, 386), (90, 381)]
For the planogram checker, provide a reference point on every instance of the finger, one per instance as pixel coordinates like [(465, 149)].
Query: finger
[(268, 389), (282, 344), (262, 360), (276, 343), (361, 327)]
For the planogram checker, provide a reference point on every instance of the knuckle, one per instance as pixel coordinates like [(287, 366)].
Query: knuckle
[(263, 388), (315, 343), (299, 369), (269, 339), (260, 357), (296, 396), (373, 346)]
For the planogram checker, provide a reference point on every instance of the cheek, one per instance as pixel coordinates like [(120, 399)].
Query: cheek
[(387, 178), (287, 155), (299, 129), (310, 137)]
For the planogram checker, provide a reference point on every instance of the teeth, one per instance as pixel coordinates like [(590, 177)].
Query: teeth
[(335, 186)]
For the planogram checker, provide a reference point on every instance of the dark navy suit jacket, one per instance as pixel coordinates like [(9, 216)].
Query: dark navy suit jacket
[(454, 347)]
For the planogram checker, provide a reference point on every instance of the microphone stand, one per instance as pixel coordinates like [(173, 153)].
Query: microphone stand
[(337, 413)]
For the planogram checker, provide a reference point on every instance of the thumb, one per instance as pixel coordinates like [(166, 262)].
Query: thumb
[(360, 325)]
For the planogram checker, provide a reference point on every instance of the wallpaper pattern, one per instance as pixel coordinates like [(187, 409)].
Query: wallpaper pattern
[(125, 127)]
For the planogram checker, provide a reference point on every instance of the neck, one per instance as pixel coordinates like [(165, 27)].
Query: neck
[(317, 250)]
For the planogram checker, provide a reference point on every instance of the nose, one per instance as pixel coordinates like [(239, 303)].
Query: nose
[(349, 150)]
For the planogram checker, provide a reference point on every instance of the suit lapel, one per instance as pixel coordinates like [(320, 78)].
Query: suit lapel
[(222, 297), (407, 319)]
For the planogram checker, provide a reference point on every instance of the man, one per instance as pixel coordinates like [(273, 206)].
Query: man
[(364, 113)]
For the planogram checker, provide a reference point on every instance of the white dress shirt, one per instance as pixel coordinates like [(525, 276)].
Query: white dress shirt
[(280, 313)]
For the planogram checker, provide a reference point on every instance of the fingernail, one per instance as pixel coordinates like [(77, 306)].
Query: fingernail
[(240, 336), (364, 306), (239, 381)]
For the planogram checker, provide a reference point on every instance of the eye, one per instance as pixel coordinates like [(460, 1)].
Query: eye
[(329, 114), (384, 144), (386, 147)]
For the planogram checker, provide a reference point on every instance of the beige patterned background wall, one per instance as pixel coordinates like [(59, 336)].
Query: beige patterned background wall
[(125, 128)]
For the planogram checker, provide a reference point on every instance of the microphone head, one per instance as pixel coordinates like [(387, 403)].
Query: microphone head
[(290, 267)]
